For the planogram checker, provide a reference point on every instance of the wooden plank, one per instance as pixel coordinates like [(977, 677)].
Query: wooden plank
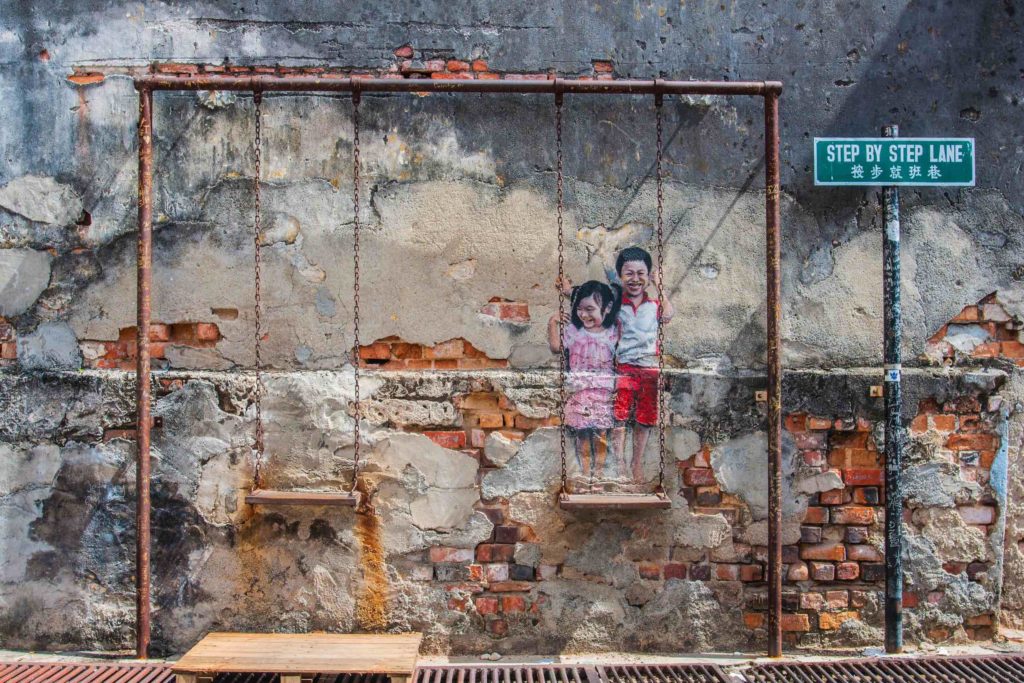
[(297, 653), (328, 498), (614, 501)]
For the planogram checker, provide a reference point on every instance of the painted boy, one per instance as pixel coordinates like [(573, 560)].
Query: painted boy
[(636, 356)]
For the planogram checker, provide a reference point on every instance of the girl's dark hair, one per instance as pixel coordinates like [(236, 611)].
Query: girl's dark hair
[(603, 294)]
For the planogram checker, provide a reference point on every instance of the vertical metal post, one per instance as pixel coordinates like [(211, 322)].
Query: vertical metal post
[(772, 274), (142, 374), (893, 406)]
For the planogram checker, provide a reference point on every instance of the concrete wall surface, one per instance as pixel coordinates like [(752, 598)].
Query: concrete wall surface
[(463, 539)]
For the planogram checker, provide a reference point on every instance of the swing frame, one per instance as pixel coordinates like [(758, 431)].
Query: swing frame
[(146, 85)]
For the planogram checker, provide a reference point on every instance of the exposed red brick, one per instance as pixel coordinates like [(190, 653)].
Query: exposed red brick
[(603, 66), (86, 77), (457, 65), (675, 570), (444, 554), (823, 571), (459, 75), (453, 348), (809, 441), (404, 52), (847, 571), (856, 515), (490, 552), (207, 332), (814, 458), (863, 553), (486, 605), (919, 425), (459, 603), (943, 423), (753, 620), (727, 572), (837, 599), (819, 423), (971, 442), (798, 571), (864, 477), (830, 621), (812, 601), (751, 572), (649, 570), (978, 514), (834, 497), (699, 476), (795, 622), (970, 314), (490, 420), (849, 439), (797, 422), (513, 603), (1011, 349), (447, 439), (479, 65), (816, 515), (375, 351), (823, 551), (511, 586)]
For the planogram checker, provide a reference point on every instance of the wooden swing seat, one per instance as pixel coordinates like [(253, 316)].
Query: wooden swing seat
[(614, 501), (321, 498), (298, 657)]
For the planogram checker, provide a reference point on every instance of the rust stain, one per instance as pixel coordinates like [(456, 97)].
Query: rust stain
[(372, 603)]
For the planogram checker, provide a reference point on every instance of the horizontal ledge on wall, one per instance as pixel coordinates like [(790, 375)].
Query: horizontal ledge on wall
[(293, 83)]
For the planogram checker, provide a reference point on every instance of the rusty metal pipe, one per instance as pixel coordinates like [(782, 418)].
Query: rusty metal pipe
[(773, 257), (301, 83), (142, 374)]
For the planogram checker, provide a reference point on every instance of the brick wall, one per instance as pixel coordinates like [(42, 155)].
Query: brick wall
[(834, 573)]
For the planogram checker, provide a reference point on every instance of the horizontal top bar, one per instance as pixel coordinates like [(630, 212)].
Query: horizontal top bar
[(297, 83)]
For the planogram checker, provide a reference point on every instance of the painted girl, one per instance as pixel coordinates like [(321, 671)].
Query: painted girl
[(589, 339)]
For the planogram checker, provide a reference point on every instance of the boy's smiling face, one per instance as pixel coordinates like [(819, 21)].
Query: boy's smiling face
[(635, 278)]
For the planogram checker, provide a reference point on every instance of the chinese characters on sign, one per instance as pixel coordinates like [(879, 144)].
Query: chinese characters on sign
[(894, 161)]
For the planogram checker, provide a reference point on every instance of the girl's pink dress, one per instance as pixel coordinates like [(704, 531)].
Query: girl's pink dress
[(591, 377)]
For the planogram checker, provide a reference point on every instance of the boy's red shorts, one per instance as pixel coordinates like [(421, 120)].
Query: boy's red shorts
[(637, 387)]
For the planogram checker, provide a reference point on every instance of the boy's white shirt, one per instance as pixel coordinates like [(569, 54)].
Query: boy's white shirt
[(638, 333)]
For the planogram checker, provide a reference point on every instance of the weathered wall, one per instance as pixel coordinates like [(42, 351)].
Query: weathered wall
[(458, 265)]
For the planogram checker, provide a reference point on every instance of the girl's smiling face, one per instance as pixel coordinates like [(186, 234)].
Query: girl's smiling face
[(635, 278), (591, 313)]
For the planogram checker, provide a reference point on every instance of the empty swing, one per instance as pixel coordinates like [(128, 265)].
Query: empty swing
[(260, 495), (611, 501)]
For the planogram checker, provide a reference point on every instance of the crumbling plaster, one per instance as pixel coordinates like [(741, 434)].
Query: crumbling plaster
[(458, 208)]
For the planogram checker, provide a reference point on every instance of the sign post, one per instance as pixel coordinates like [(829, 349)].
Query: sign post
[(892, 337), (892, 161)]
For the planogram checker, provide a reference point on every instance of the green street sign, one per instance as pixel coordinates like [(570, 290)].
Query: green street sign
[(894, 161)]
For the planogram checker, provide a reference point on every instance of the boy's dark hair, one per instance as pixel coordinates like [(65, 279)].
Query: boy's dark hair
[(633, 254), (603, 294)]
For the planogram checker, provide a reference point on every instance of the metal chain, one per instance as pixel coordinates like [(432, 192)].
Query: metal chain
[(257, 99), (561, 293), (662, 295), (355, 286)]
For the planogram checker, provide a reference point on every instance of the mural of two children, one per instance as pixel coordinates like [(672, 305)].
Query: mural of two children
[(610, 338)]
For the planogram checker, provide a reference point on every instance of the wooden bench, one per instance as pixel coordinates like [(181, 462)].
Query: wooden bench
[(299, 656)]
